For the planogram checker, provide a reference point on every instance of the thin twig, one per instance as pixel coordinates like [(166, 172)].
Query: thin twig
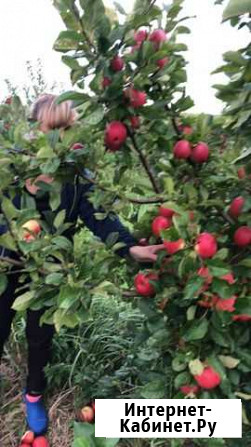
[(11, 261), (129, 199), (174, 123), (129, 294), (144, 162)]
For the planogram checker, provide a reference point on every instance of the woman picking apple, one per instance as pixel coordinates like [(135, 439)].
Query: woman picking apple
[(50, 116)]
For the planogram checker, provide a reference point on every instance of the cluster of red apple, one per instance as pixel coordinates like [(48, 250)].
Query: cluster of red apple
[(29, 440), (207, 380), (183, 150), (206, 247), (116, 131)]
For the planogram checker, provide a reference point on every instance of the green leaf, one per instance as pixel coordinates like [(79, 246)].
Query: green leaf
[(45, 152), (60, 318), (82, 442), (80, 98), (9, 209), (235, 57), (95, 117), (112, 239), (54, 279), (178, 363), (7, 241), (71, 62), (23, 301), (94, 14), (222, 288), (83, 430), (182, 30), (243, 306), (119, 8), (153, 390), (196, 330), (217, 267), (196, 367), (193, 287), (59, 219), (63, 243), (3, 283), (68, 296), (228, 361), (68, 40), (182, 379), (236, 8)]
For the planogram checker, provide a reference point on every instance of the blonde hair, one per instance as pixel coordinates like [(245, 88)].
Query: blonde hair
[(51, 114)]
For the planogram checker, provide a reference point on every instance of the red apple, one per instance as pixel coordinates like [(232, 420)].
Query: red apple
[(242, 317), (28, 438), (242, 236), (208, 379), (117, 63), (200, 153), (40, 441), (140, 36), (135, 121), (229, 277), (236, 206), (143, 285), (189, 389), (25, 445), (115, 135), (204, 273), (160, 223), (206, 245), (191, 215), (187, 130), (241, 173), (137, 98), (166, 212), (174, 246), (106, 82), (93, 406), (77, 146), (226, 305), (158, 36), (31, 229), (182, 150), (31, 184), (162, 62), (87, 414)]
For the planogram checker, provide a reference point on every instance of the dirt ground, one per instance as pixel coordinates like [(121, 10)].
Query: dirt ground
[(12, 417)]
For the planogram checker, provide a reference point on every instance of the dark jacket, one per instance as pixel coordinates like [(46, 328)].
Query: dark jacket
[(74, 200)]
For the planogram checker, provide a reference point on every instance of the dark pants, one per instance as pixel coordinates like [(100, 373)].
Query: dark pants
[(39, 338)]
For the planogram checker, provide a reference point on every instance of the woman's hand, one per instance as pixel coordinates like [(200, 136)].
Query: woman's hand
[(145, 254)]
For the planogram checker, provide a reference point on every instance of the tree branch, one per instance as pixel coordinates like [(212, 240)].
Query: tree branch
[(144, 162), (145, 201), (174, 123), (11, 261)]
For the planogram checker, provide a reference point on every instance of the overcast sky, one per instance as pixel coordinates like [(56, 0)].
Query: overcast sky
[(28, 29)]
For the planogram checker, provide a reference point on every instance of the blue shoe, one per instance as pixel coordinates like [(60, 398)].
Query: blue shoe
[(36, 416)]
